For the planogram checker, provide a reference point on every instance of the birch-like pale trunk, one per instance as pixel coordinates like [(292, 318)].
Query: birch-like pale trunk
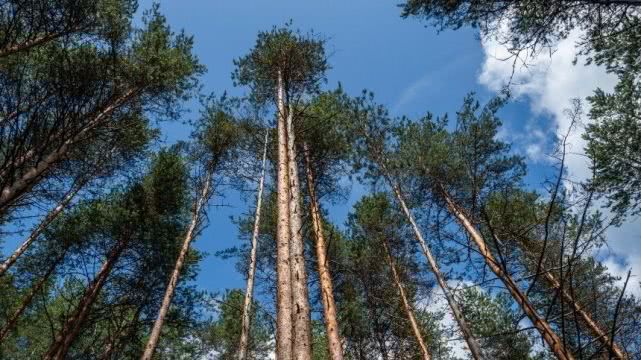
[(597, 331), (26, 301), (13, 191), (409, 312), (549, 336), (284, 288), (51, 216), (470, 340), (302, 347), (324, 274), (63, 340), (197, 209), (247, 304)]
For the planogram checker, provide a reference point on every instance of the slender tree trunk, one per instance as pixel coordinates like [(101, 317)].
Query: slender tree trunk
[(544, 328), (13, 320), (51, 216), (244, 334), (406, 305), (58, 350), (599, 334), (39, 40), (13, 191), (284, 288), (326, 286), (302, 347), (470, 340), (184, 250)]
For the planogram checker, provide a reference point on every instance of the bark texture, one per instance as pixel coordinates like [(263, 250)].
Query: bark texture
[(244, 329), (173, 280), (324, 274), (284, 289), (302, 347)]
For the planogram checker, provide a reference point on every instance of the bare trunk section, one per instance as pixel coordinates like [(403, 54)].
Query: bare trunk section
[(51, 216), (13, 320), (58, 350), (406, 305), (599, 334), (244, 334), (302, 347), (12, 192), (284, 288), (470, 340), (326, 286), (173, 280), (544, 328)]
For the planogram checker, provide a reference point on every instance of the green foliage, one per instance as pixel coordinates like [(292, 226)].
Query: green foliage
[(614, 144), (299, 58), (223, 334), (495, 324)]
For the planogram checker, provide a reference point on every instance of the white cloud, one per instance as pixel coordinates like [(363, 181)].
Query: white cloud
[(548, 83)]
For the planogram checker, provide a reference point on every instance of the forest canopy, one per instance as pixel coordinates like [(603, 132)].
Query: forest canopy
[(365, 232)]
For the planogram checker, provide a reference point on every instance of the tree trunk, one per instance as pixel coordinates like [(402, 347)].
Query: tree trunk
[(63, 340), (599, 334), (406, 305), (284, 290), (39, 40), (326, 286), (13, 320), (544, 328), (184, 250), (470, 340), (244, 334), (302, 347), (41, 227), (12, 192)]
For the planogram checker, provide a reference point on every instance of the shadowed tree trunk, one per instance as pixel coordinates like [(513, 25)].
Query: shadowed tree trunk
[(302, 347), (13, 320), (244, 334), (549, 336), (284, 289), (51, 216), (406, 305), (173, 281), (324, 274), (63, 340), (13, 191), (599, 334)]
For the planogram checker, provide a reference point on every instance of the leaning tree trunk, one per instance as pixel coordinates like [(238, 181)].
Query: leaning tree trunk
[(470, 340), (13, 320), (549, 336), (15, 189), (326, 286), (283, 271), (406, 305), (51, 216), (599, 334), (63, 340), (184, 250), (244, 329), (302, 347)]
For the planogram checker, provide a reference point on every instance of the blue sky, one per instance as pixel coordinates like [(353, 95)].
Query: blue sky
[(411, 69)]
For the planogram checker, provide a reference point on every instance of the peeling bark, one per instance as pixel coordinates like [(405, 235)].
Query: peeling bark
[(324, 274)]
